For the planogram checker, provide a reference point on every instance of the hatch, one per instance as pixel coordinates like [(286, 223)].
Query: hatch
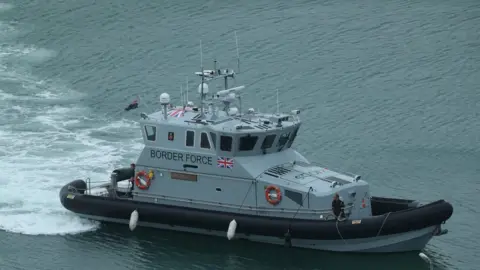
[(278, 171)]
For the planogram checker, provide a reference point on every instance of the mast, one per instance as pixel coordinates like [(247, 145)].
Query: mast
[(186, 95), (227, 95), (203, 80), (238, 54), (278, 108)]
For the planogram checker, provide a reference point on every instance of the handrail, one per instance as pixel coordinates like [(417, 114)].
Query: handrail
[(89, 182), (347, 209), (89, 188), (333, 169), (227, 205)]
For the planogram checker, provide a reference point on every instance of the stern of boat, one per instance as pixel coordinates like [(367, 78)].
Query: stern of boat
[(70, 190)]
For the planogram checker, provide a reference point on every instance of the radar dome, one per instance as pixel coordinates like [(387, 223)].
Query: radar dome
[(164, 99), (231, 97), (233, 111), (205, 88)]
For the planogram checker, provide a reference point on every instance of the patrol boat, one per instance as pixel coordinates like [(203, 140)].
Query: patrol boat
[(226, 172)]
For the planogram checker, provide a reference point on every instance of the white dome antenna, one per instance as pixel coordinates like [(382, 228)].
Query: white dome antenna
[(231, 97), (165, 100), (233, 111)]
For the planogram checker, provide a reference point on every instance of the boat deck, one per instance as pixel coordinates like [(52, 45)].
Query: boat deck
[(302, 176)]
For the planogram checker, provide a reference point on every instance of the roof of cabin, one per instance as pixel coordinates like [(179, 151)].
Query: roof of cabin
[(220, 121)]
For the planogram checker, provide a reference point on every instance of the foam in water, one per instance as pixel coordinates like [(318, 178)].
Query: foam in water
[(44, 146), (5, 6)]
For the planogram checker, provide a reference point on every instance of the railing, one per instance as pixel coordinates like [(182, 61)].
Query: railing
[(334, 169), (89, 188), (325, 212), (300, 163)]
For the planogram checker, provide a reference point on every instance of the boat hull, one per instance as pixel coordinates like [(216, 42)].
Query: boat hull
[(407, 230), (405, 242)]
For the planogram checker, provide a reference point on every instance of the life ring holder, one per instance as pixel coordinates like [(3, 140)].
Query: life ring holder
[(273, 200), (148, 177)]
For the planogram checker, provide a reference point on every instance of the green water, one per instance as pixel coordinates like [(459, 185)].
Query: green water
[(388, 89)]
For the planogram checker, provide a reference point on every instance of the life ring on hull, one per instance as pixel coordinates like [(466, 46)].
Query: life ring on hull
[(274, 198), (142, 176)]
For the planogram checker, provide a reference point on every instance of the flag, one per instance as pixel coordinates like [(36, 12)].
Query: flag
[(132, 105), (179, 112), (224, 162)]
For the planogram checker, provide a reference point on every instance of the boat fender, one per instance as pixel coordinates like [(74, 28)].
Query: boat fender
[(133, 220), (232, 227), (288, 239), (426, 259)]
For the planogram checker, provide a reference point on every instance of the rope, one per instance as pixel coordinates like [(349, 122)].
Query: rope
[(336, 225), (383, 223), (251, 185), (288, 235), (298, 209)]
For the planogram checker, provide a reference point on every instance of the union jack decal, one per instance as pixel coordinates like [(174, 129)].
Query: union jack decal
[(177, 112), (224, 162)]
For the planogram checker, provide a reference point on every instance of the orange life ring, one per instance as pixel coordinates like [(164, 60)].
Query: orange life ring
[(138, 182), (273, 200)]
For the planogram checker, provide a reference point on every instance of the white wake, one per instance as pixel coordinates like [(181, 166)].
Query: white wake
[(44, 146)]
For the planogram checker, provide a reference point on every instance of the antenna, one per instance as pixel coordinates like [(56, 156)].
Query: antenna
[(201, 56), (186, 96), (182, 96), (238, 54), (278, 110), (165, 100), (203, 79)]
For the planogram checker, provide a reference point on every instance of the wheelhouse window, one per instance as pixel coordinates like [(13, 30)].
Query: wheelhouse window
[(190, 138), (268, 141), (294, 135), (151, 133), (214, 139), (204, 143), (247, 143), (226, 143), (283, 139)]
